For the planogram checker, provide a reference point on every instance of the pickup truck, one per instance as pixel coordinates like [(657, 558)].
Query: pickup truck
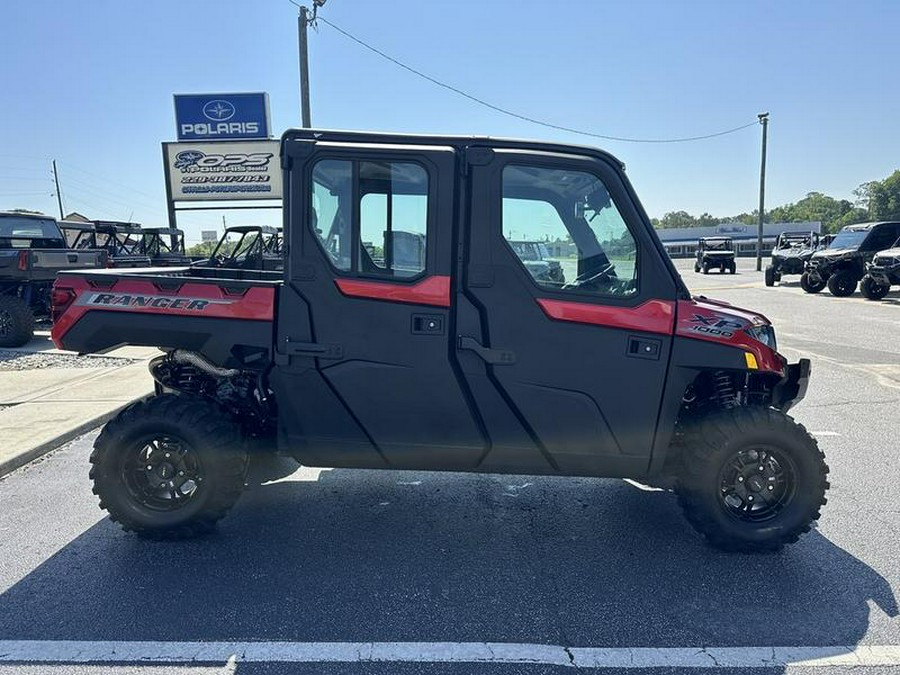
[(462, 360), (32, 251)]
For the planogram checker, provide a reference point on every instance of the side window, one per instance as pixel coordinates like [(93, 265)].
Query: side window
[(393, 218), (331, 216), (384, 210), (883, 237), (567, 232)]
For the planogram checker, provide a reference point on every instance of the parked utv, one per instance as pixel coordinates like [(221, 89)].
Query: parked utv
[(455, 358), (534, 255), (882, 273), (164, 246), (715, 253), (32, 251), (842, 265), (789, 255), (247, 247)]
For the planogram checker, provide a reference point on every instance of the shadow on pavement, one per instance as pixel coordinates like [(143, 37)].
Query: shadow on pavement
[(386, 556)]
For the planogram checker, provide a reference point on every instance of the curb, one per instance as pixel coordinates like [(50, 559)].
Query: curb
[(34, 453)]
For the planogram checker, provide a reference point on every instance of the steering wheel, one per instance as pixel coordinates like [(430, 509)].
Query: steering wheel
[(590, 277)]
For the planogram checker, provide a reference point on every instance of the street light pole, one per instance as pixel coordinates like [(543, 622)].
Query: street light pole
[(302, 23), (764, 120)]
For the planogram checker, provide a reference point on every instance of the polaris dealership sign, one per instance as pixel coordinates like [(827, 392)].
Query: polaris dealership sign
[(218, 117), (232, 170)]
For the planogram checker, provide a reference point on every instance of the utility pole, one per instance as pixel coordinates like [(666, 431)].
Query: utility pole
[(302, 23), (58, 195), (764, 120), (305, 18)]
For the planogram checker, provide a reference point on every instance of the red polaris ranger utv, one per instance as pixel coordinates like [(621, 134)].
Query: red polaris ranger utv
[(405, 332)]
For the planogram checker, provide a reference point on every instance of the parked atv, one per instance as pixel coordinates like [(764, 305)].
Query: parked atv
[(882, 273), (789, 255), (842, 265), (450, 356), (715, 253), (164, 246), (247, 247), (534, 255)]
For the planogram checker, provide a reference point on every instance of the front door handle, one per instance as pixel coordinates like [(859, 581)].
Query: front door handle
[(495, 357), (644, 348)]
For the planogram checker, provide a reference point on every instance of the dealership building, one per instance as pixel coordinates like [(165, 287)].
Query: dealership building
[(681, 242)]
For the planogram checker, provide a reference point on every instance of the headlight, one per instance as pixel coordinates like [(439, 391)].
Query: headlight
[(764, 334)]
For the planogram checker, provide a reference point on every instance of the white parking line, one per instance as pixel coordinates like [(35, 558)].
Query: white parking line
[(69, 652)]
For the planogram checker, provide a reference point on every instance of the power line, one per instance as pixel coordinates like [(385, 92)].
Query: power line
[(519, 116)]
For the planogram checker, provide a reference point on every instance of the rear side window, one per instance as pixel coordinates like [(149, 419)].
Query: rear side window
[(882, 237), (567, 232), (371, 218)]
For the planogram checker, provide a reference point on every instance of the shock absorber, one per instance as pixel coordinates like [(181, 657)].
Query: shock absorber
[(723, 390)]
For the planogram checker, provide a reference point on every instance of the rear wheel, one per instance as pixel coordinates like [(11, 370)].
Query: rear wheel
[(809, 284), (705, 268), (169, 467), (752, 479), (770, 275), (842, 283), (732, 268), (16, 322), (872, 289)]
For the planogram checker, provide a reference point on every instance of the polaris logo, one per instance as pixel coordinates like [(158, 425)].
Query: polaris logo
[(218, 110), (140, 301)]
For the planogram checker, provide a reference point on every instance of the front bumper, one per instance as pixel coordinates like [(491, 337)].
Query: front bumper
[(887, 275), (792, 388), (789, 265)]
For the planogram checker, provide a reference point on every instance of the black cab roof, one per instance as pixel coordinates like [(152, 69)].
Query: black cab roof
[(457, 142)]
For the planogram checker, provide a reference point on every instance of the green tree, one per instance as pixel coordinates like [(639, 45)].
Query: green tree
[(677, 219), (880, 198)]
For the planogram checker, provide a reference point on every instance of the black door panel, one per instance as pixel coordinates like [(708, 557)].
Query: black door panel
[(389, 370), (586, 404)]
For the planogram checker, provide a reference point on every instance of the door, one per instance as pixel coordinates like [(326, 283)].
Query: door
[(567, 315), (364, 325)]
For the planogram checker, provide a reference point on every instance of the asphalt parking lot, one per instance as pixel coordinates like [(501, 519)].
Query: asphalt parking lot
[(342, 567)]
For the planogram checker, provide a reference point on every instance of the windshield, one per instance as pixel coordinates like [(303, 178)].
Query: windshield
[(20, 232), (848, 239), (236, 245), (790, 242), (718, 245)]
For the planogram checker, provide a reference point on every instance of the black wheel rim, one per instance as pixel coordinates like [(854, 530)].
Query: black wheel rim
[(162, 473), (756, 484)]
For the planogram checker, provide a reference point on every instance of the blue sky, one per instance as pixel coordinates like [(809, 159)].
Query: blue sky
[(91, 83)]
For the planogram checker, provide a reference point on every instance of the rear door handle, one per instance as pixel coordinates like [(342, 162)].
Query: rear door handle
[(495, 357), (293, 348)]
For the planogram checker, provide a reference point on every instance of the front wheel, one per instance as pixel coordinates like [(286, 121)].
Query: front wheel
[(842, 283), (872, 289), (811, 284), (770, 275), (752, 479), (169, 467)]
